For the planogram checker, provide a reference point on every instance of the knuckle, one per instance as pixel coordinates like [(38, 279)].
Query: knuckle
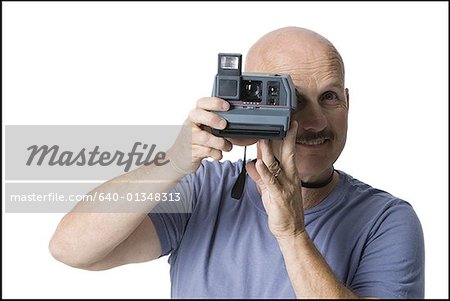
[(273, 165), (203, 137), (196, 152), (195, 130), (200, 102), (216, 101), (192, 114), (272, 180), (212, 152), (207, 150), (217, 121), (217, 155), (291, 156), (204, 152)]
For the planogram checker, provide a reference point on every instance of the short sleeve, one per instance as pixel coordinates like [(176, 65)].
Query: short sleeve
[(393, 260), (170, 218)]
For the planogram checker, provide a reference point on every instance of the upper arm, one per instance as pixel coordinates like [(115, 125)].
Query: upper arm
[(158, 234), (142, 245), (392, 262)]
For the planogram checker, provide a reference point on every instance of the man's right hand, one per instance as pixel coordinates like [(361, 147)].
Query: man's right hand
[(201, 141)]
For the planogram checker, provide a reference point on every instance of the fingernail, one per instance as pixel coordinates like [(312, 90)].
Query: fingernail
[(223, 123), (226, 106)]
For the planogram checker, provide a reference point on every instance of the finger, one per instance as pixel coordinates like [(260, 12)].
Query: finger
[(288, 163), (200, 116), (267, 155), (205, 138), (254, 175), (213, 104), (200, 152), (269, 160), (269, 180)]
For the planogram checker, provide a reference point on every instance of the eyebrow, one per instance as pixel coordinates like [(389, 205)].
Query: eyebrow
[(331, 85)]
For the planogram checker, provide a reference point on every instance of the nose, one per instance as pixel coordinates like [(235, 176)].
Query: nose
[(311, 118)]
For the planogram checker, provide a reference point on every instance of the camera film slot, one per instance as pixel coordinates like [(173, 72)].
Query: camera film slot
[(254, 131)]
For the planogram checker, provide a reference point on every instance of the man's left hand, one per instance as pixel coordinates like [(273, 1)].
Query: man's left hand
[(279, 184)]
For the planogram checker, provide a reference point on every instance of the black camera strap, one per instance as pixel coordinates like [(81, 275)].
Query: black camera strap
[(238, 188)]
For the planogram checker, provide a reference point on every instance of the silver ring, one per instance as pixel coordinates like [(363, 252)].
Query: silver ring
[(275, 174)]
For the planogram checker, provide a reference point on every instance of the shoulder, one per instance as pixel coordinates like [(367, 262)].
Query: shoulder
[(391, 263), (385, 211), (367, 195)]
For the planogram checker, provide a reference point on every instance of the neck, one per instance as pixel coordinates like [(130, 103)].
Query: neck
[(314, 196), (319, 183)]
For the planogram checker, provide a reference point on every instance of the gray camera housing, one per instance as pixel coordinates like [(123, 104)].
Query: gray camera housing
[(261, 104)]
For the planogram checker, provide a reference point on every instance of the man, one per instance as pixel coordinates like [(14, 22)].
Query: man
[(301, 229)]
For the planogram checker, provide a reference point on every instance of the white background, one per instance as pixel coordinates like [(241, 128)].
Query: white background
[(147, 63)]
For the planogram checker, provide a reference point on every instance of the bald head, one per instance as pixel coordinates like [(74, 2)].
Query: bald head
[(317, 71), (296, 51)]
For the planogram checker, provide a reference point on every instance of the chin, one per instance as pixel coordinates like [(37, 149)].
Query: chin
[(311, 168)]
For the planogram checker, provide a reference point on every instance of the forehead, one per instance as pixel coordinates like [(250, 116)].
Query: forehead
[(311, 64)]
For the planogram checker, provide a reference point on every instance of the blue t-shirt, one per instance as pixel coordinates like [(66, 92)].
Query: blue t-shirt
[(372, 240)]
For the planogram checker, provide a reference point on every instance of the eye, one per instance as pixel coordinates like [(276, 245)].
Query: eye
[(329, 96)]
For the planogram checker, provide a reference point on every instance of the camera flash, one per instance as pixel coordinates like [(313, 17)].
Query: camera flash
[(229, 62)]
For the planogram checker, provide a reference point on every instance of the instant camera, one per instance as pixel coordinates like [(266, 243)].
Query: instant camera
[(260, 104)]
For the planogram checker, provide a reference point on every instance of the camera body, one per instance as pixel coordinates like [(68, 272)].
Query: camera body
[(261, 104)]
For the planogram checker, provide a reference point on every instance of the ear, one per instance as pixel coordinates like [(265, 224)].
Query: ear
[(347, 96)]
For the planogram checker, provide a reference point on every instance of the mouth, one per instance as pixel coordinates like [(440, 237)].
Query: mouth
[(313, 142)]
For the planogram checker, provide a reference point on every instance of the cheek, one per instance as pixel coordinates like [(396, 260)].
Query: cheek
[(339, 125), (338, 121)]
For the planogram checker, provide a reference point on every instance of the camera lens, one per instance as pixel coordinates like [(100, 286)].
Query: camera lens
[(252, 91)]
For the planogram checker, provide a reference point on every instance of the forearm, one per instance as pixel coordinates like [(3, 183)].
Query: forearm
[(93, 229), (310, 275)]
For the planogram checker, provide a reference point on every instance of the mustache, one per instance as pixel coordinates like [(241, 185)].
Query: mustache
[(310, 136)]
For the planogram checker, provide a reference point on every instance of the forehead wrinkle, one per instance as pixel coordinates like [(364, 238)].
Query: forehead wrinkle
[(306, 56), (321, 73), (321, 65), (297, 65)]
